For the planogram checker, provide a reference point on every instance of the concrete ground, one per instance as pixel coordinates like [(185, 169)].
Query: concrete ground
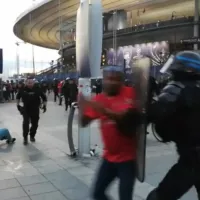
[(43, 171)]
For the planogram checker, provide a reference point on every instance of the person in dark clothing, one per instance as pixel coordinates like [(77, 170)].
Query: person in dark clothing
[(31, 97), (116, 111), (5, 94), (12, 90), (20, 86), (8, 90), (176, 116), (98, 86), (55, 89), (66, 93), (73, 92), (44, 87)]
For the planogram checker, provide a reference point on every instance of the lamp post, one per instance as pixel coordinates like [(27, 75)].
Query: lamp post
[(17, 57), (33, 52), (196, 20), (33, 59)]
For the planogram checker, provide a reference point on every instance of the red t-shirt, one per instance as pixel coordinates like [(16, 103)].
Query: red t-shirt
[(59, 87), (117, 147)]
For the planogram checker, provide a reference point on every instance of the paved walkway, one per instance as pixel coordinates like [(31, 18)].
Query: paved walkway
[(43, 171)]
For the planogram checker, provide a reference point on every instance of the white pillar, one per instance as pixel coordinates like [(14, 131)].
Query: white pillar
[(196, 19), (84, 133), (88, 56)]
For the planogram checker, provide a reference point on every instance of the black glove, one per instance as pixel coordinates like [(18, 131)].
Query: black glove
[(44, 108), (20, 109)]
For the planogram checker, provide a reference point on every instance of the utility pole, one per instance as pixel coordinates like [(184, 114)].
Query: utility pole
[(17, 59), (196, 20), (33, 52)]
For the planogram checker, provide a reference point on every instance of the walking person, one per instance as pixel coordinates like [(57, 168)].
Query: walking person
[(31, 97), (176, 116), (66, 92), (73, 91), (55, 89)]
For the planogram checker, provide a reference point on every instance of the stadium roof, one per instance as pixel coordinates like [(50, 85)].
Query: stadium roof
[(39, 25)]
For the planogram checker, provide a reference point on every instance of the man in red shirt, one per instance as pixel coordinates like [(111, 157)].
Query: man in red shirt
[(116, 110), (60, 84)]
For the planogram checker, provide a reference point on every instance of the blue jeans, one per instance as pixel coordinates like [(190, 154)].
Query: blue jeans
[(125, 171), (5, 134)]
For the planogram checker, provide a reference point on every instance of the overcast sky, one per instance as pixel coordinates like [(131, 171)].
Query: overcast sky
[(9, 11)]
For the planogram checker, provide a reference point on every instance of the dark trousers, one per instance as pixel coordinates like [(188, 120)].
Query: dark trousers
[(72, 100), (66, 102), (60, 99), (180, 178), (30, 116), (108, 171), (55, 96)]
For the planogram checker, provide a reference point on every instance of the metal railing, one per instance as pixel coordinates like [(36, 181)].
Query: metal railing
[(73, 151)]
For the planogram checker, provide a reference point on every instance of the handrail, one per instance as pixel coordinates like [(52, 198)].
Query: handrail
[(72, 149), (47, 69)]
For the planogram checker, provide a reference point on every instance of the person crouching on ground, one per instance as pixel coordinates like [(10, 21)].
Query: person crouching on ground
[(118, 115), (5, 135)]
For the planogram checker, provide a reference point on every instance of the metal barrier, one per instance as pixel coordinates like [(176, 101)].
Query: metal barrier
[(73, 152), (153, 129)]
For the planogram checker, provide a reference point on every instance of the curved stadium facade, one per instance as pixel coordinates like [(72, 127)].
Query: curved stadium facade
[(146, 27)]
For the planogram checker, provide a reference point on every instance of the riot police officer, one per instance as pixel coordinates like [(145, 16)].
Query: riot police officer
[(66, 92), (176, 116), (31, 97)]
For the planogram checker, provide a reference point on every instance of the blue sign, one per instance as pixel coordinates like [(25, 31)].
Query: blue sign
[(1, 61)]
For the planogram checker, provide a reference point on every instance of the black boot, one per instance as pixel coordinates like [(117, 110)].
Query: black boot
[(32, 139), (12, 141), (25, 141)]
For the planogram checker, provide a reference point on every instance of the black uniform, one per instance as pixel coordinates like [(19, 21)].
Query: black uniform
[(31, 99), (44, 88), (55, 89), (73, 92), (98, 86), (66, 93), (176, 117)]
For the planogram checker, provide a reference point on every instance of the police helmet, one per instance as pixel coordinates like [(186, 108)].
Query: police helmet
[(185, 61)]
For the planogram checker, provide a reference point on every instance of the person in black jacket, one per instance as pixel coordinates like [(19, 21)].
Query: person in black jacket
[(44, 87), (98, 86), (55, 89), (73, 92), (66, 92), (31, 97), (176, 116)]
